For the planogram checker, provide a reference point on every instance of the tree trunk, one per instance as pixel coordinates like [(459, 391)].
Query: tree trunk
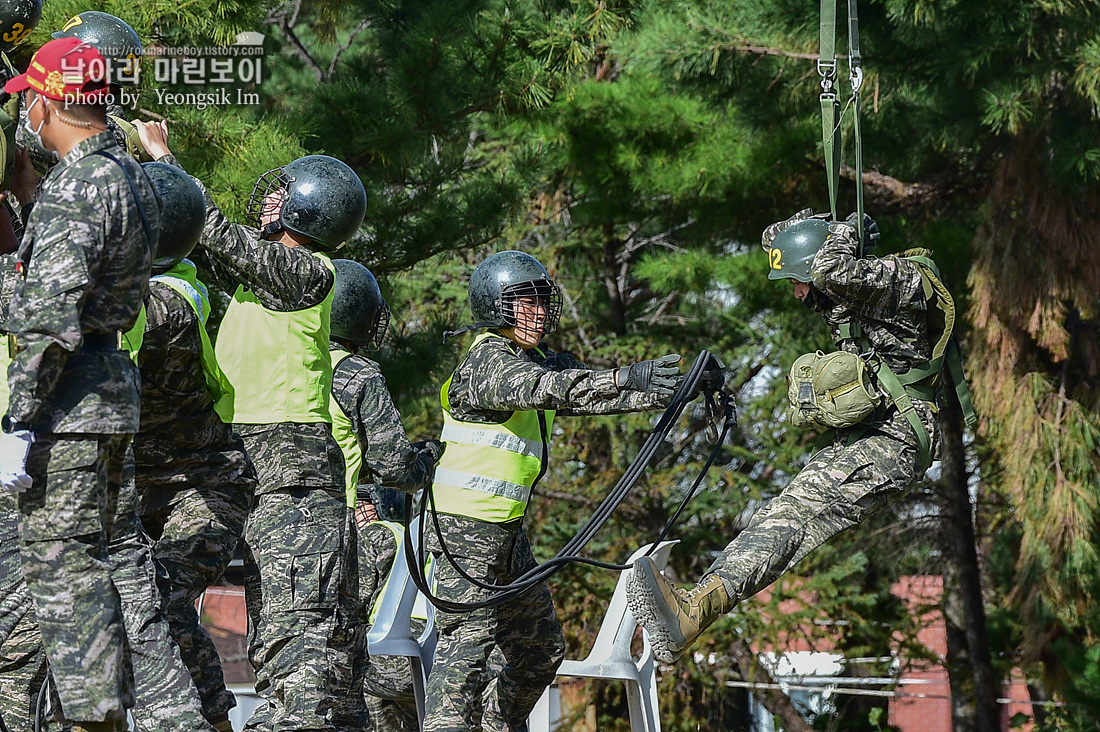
[(974, 687), (774, 700)]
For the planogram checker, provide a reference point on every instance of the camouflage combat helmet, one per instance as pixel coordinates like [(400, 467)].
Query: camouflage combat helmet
[(316, 196), (359, 312), (17, 19), (183, 213), (791, 253)]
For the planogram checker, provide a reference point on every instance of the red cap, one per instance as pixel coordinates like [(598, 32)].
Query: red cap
[(65, 69)]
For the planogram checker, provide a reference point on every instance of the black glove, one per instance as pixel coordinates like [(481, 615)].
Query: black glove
[(712, 379), (871, 233), (434, 448), (659, 376)]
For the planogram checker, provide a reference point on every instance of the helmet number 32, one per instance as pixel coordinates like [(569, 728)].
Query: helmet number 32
[(775, 258), (17, 34)]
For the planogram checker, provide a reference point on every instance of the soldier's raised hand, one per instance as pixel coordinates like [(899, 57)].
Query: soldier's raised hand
[(154, 137)]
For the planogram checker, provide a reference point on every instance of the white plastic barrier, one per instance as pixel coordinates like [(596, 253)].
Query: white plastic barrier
[(611, 659)]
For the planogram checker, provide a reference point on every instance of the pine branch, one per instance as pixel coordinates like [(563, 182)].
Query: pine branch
[(363, 25), (286, 25), (627, 509)]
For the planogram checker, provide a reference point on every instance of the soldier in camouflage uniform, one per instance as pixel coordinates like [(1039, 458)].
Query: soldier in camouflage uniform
[(388, 681), (498, 409), (377, 453), (857, 473), (367, 416), (22, 663), (84, 262), (276, 382), (165, 694), (194, 481)]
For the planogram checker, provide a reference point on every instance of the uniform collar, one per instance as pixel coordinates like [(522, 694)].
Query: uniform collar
[(95, 143)]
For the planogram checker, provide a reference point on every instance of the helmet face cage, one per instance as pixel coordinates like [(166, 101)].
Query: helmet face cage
[(271, 186), (381, 326), (546, 297)]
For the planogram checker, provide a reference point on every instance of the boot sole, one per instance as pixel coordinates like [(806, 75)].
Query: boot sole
[(668, 645)]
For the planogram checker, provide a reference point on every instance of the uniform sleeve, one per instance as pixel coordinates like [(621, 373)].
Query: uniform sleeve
[(283, 278), (47, 305), (8, 278), (873, 287), (495, 378), (387, 454)]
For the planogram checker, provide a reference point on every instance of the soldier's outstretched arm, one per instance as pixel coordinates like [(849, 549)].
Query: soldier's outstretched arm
[(45, 310), (872, 286), (506, 382)]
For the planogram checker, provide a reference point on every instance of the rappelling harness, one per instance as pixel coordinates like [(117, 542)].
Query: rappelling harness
[(922, 381)]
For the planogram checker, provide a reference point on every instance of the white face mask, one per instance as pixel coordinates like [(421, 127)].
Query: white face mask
[(36, 134)]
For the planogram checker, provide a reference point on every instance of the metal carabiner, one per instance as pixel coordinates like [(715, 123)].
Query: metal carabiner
[(855, 75)]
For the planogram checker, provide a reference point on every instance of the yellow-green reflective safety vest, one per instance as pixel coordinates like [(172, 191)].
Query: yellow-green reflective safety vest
[(275, 365), (183, 279), (5, 359), (488, 469), (420, 604), (133, 338), (345, 437)]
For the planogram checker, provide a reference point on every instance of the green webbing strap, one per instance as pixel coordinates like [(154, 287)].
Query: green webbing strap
[(962, 390), (904, 404), (900, 393), (933, 285), (830, 106), (855, 75)]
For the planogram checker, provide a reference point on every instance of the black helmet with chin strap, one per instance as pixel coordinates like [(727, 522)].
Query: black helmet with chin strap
[(503, 278), (182, 214), (316, 196), (360, 314)]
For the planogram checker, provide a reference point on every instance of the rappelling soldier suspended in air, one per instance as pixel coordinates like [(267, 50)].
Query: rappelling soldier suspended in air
[(891, 319)]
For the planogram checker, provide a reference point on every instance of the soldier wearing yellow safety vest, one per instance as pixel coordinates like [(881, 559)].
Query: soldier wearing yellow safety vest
[(194, 481), (272, 348), (377, 453), (498, 411)]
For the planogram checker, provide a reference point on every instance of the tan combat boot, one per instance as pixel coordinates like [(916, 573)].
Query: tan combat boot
[(673, 617)]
